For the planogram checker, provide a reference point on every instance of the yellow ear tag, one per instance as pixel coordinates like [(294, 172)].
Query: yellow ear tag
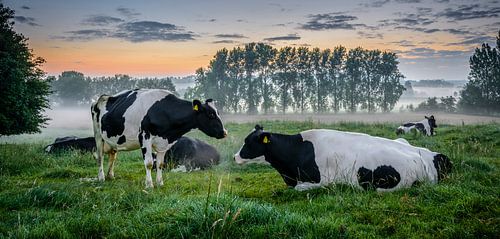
[(195, 107), (266, 140)]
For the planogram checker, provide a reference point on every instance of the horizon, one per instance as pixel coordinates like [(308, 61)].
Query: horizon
[(432, 38)]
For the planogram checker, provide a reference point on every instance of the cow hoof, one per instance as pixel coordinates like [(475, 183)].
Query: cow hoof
[(110, 177), (160, 183), (100, 178), (149, 184)]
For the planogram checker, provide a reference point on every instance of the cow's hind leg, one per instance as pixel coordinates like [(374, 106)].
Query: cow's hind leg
[(99, 157), (147, 155), (111, 164)]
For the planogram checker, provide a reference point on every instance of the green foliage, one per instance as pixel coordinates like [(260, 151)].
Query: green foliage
[(445, 104), (482, 92), (45, 195), (91, 88), (24, 91), (300, 79)]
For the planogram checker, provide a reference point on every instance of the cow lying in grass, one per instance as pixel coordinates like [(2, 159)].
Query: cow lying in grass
[(425, 126), (71, 142), (319, 157), (189, 154)]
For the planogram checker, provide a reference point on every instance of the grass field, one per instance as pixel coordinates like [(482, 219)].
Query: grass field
[(51, 196)]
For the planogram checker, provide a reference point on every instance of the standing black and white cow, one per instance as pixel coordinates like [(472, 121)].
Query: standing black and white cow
[(150, 119), (425, 126), (319, 157)]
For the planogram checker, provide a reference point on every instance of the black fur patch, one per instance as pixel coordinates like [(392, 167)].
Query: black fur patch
[(382, 177), (97, 112), (408, 124), (442, 164), (420, 127), (113, 122), (122, 139), (294, 159), (168, 118), (144, 151)]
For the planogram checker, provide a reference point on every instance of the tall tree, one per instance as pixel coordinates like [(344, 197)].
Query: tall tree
[(354, 73), (236, 77), (482, 92), (371, 81), (335, 74), (265, 56), (24, 90), (391, 86), (251, 64), (284, 76)]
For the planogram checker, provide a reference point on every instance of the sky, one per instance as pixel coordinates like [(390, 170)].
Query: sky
[(433, 38)]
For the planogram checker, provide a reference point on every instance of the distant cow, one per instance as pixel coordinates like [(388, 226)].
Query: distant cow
[(319, 157), (149, 119), (425, 126), (191, 154), (72, 142)]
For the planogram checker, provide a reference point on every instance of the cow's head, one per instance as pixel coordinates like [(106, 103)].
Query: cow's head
[(208, 120), (254, 146), (432, 121)]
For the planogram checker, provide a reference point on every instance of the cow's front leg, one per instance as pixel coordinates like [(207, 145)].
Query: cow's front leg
[(160, 164), (147, 155)]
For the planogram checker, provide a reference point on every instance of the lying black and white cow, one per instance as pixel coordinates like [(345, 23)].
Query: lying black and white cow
[(150, 119), (319, 157), (189, 154), (71, 142), (425, 126)]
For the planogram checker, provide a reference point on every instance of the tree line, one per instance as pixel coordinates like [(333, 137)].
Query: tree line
[(73, 88), (259, 78), (481, 94)]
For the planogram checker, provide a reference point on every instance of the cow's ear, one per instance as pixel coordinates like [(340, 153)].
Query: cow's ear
[(426, 117), (258, 127), (432, 116), (265, 138), (197, 105)]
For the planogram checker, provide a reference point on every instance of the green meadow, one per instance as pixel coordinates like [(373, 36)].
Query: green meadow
[(57, 196)]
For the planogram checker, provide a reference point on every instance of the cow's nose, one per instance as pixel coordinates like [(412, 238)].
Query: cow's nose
[(225, 133)]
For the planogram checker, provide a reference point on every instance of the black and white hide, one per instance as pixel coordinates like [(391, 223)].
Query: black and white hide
[(149, 119), (319, 157), (425, 126)]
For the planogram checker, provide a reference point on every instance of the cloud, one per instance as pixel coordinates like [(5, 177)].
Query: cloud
[(424, 52), (413, 19), (142, 31), (368, 35), (442, 1), (289, 37), (468, 12), (473, 40), (404, 43), (25, 7), (26, 20), (230, 36), (101, 20), (127, 12), (375, 4), (408, 1), (330, 21), (225, 42), (139, 31), (454, 31)]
